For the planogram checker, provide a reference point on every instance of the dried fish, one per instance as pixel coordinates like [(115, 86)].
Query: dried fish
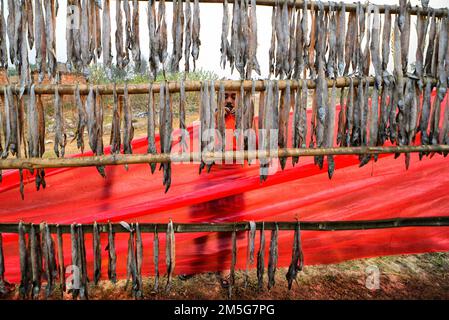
[(32, 124), (386, 38), (128, 130), (188, 35), (225, 46), (405, 35), (445, 133), (284, 113), (250, 249), (119, 41), (233, 262), (341, 35), (115, 140), (398, 74), (112, 257), (177, 35), (151, 126), (153, 39), (11, 123), (41, 40), (82, 264), (106, 36), (128, 30), (170, 255), (12, 30), (60, 136), (421, 30), (411, 117), (341, 130), (50, 30), (273, 256), (82, 120), (36, 261), (331, 67), (161, 32), (350, 44), (156, 260), (431, 46), (138, 290), (97, 30), (330, 129), (322, 110), (253, 64), (24, 280), (374, 47), (74, 286), (297, 262), (299, 45), (166, 128), (300, 119), (131, 262), (271, 53), (135, 35), (3, 47), (96, 253), (61, 267), (261, 258)]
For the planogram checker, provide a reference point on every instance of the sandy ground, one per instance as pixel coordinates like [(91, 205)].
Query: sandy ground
[(423, 276)]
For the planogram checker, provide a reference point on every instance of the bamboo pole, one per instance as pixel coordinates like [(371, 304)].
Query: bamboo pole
[(121, 159), (440, 221), (174, 86)]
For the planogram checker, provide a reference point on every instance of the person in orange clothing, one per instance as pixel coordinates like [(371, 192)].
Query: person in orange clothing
[(220, 209)]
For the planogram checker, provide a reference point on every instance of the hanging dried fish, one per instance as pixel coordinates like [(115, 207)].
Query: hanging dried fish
[(61, 267), (265, 123), (250, 249), (386, 38), (253, 64), (297, 262), (341, 35), (41, 40), (50, 30), (431, 46), (135, 35), (177, 35), (398, 74), (331, 67), (82, 120), (96, 253), (36, 261), (261, 257), (24, 68), (60, 136), (196, 42), (221, 125), (280, 49), (3, 47), (373, 124), (97, 30), (350, 42), (273, 256), (182, 117), (82, 264), (74, 286), (139, 262), (224, 46), (188, 35), (32, 124), (112, 257), (128, 130), (106, 36), (166, 128), (131, 262), (299, 45), (243, 36), (425, 114), (12, 30), (284, 113), (24, 280), (233, 262), (412, 117), (405, 34), (161, 33), (330, 130), (211, 122), (153, 39), (341, 130), (292, 42), (151, 126), (421, 31), (271, 53), (128, 30), (119, 41), (374, 47), (445, 133), (170, 256), (156, 260), (321, 114), (115, 140), (10, 128), (49, 258)]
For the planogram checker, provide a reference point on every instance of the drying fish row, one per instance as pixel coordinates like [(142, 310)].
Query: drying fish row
[(32, 24), (42, 263)]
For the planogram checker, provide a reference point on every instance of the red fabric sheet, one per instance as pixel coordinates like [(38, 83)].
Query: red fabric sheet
[(380, 190)]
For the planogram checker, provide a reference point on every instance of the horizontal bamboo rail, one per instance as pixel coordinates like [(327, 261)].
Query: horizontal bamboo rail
[(441, 221), (174, 86), (121, 159), (350, 7)]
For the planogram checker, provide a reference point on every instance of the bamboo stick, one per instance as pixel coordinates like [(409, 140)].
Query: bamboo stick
[(438, 221), (174, 86), (120, 159)]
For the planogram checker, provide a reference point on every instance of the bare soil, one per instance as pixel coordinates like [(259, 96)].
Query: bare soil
[(423, 276)]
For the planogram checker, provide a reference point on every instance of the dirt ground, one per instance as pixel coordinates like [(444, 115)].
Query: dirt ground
[(423, 276)]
